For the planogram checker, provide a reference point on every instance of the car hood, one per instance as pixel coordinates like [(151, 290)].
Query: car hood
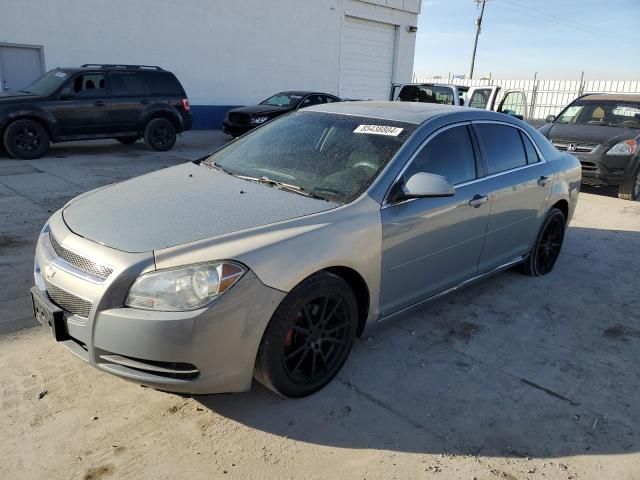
[(255, 109), (590, 133), (179, 205)]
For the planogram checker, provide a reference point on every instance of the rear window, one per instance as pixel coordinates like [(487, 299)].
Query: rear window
[(502, 146), (162, 83), (426, 94)]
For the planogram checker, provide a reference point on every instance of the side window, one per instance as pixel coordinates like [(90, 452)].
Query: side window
[(502, 146), (311, 100), (328, 99), (88, 85), (449, 154), (162, 83), (513, 103), (480, 98), (125, 84), (532, 154)]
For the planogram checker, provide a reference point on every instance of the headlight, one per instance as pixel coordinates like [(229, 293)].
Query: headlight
[(259, 120), (627, 147), (184, 288)]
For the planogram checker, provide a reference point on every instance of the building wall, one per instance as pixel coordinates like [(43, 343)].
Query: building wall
[(225, 53)]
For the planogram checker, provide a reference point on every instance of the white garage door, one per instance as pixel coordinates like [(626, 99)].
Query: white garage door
[(366, 59)]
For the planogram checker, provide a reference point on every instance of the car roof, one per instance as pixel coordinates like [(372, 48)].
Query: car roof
[(112, 67), (408, 112), (615, 97), (304, 92)]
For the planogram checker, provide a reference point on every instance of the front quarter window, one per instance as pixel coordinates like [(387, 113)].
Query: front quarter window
[(335, 157)]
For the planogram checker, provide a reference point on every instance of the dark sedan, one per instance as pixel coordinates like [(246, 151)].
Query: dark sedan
[(240, 120), (603, 131)]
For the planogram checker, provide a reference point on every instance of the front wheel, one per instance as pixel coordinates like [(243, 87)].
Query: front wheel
[(630, 189), (309, 337), (160, 134), (546, 249), (26, 139)]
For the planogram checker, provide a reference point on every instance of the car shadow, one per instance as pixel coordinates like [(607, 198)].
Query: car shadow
[(514, 366), (603, 190)]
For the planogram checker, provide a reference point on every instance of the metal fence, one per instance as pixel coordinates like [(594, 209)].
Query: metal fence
[(547, 97)]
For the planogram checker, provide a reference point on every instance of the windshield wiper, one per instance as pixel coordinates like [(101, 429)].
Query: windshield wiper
[(282, 186)]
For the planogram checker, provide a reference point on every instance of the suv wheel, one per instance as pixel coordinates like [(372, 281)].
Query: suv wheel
[(26, 139), (160, 134), (630, 189), (127, 140)]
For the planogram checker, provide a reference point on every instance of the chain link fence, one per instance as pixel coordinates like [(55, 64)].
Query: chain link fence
[(547, 97)]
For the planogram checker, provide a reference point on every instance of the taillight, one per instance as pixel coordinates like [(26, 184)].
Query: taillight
[(185, 104)]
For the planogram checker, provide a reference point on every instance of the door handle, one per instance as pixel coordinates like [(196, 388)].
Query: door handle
[(542, 181), (478, 200), (144, 101), (99, 103)]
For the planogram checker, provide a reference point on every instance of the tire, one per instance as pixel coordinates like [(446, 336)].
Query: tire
[(630, 189), (26, 139), (546, 249), (309, 337), (160, 134), (127, 140)]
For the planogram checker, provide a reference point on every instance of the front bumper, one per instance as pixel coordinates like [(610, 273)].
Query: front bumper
[(600, 169), (211, 350), (236, 130)]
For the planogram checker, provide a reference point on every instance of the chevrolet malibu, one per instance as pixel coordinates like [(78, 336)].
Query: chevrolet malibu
[(269, 257)]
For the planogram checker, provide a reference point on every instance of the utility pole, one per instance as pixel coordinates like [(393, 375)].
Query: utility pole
[(478, 28)]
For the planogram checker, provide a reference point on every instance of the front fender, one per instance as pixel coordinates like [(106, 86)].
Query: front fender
[(9, 114)]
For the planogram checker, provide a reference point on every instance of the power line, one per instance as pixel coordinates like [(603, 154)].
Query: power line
[(563, 21)]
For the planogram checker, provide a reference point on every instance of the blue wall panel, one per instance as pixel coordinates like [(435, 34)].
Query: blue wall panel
[(209, 117)]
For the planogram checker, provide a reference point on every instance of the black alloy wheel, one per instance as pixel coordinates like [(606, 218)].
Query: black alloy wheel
[(160, 134), (547, 248), (309, 337), (26, 139)]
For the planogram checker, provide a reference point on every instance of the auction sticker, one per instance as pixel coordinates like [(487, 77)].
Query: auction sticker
[(379, 130)]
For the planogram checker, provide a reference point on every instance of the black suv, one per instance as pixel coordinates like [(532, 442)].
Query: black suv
[(125, 102), (603, 131)]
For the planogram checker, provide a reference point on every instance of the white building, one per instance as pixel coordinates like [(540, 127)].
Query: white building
[(225, 52)]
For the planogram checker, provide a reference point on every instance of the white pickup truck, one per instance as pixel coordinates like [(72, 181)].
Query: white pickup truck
[(488, 97)]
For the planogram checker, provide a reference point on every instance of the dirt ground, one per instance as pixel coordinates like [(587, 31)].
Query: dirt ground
[(514, 378)]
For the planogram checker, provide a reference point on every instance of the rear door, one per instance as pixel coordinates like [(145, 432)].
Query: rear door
[(519, 182), (431, 244), (82, 107), (130, 94), (481, 97)]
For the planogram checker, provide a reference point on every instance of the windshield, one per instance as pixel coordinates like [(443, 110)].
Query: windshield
[(332, 156), (47, 83), (283, 100), (426, 94), (605, 113)]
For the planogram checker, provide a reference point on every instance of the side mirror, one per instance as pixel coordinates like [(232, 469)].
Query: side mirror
[(550, 118), (422, 185)]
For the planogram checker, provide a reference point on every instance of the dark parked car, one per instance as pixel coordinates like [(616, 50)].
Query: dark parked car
[(240, 120), (125, 102), (603, 131)]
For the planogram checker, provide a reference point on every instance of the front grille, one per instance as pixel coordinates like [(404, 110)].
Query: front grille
[(81, 263), (239, 118), (575, 147), (68, 301)]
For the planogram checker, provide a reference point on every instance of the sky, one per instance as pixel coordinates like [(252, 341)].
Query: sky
[(558, 39)]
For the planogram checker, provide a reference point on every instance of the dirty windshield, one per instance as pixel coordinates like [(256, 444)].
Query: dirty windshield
[(331, 156)]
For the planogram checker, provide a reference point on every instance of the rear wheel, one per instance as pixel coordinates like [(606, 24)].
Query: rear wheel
[(26, 139), (630, 189), (309, 337), (546, 250), (160, 134), (127, 140)]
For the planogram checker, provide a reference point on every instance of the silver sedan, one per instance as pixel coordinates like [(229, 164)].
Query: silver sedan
[(269, 257)]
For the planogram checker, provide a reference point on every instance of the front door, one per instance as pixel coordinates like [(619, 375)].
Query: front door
[(519, 183), (82, 107), (481, 97), (431, 244)]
